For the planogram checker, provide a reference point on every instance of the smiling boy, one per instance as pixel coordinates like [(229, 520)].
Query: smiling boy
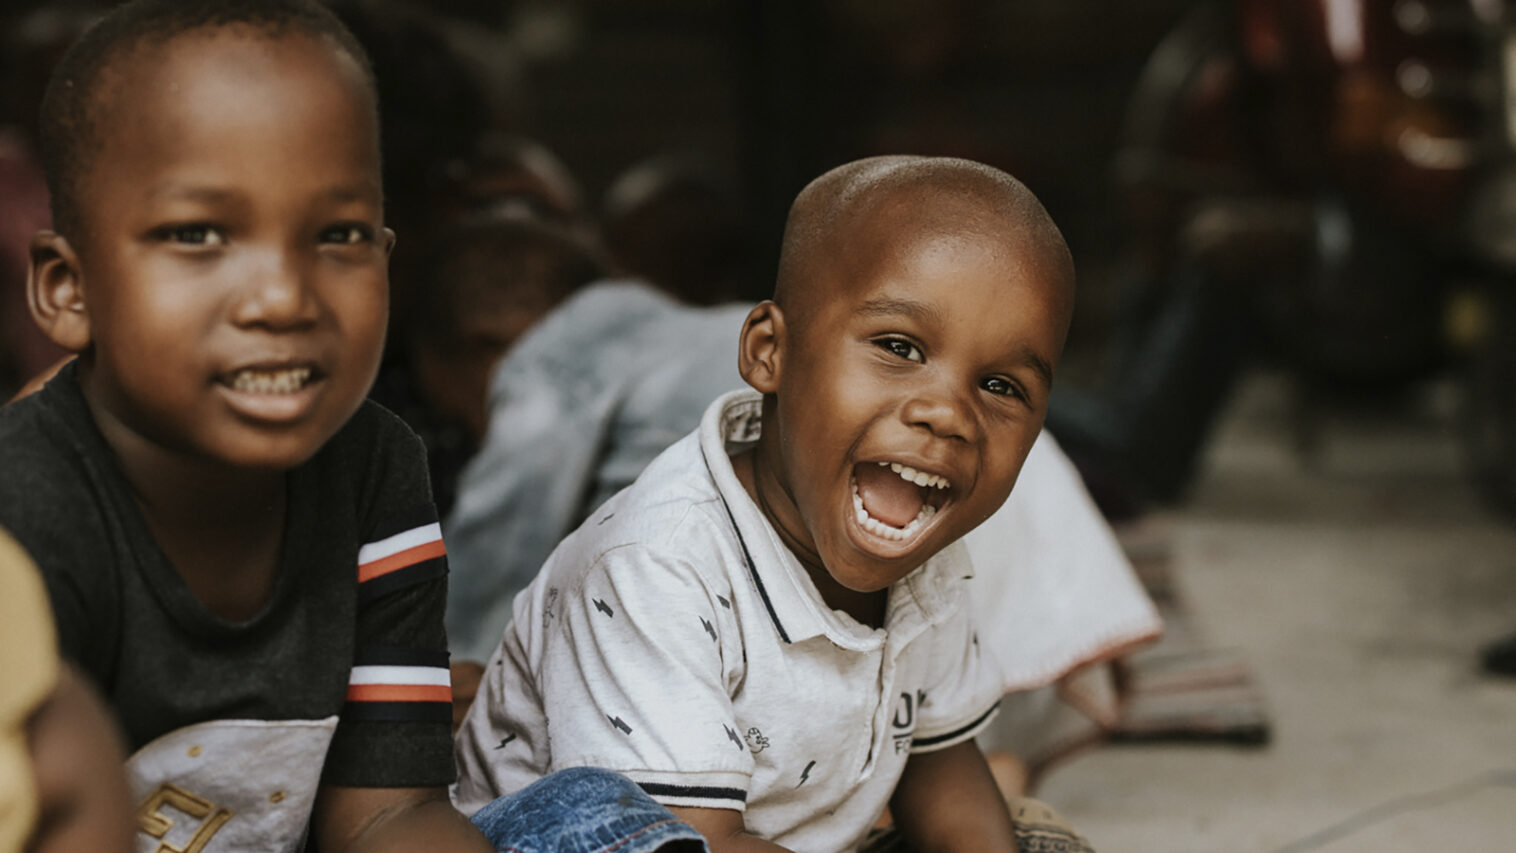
[(766, 631), (239, 550)]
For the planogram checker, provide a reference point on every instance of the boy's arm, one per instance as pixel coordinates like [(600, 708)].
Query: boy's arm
[(947, 800), (76, 754), (724, 831), (392, 819)]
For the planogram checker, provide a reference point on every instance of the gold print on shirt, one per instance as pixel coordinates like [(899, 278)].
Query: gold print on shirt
[(152, 820)]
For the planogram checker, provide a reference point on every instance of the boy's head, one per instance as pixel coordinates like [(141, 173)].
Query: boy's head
[(675, 220), (493, 279), (86, 87), (220, 253), (906, 360)]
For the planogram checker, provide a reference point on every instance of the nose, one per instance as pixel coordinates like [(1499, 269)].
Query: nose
[(277, 294), (942, 413)]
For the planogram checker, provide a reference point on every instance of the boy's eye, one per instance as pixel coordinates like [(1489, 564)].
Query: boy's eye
[(902, 348), (1000, 386), (347, 234), (195, 235)]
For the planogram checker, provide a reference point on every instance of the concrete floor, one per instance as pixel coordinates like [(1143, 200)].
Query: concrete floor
[(1359, 585)]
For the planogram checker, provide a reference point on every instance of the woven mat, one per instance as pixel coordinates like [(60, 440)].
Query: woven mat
[(1183, 688)]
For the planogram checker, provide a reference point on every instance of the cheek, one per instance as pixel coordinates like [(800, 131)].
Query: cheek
[(1003, 465), (363, 313)]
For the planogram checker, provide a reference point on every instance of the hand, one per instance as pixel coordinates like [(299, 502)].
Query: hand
[(466, 675), (77, 753)]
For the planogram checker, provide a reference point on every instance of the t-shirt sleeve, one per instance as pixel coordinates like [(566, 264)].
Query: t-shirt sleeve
[(394, 728), (962, 702), (48, 504), (634, 679), (82, 587)]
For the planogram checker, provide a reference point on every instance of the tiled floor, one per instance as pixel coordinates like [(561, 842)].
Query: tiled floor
[(1359, 583)]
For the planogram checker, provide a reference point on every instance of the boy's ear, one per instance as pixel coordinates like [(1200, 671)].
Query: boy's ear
[(55, 291), (387, 238), (761, 347)]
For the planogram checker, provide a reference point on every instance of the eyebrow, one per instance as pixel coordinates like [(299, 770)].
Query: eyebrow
[(188, 192), (894, 306), (1038, 364), (366, 191), (171, 191)]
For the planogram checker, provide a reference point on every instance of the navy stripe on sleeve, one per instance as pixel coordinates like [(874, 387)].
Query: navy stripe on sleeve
[(399, 656), (955, 733), (693, 792)]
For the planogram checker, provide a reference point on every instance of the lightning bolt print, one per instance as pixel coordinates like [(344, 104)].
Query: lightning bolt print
[(724, 602), (732, 736), (709, 628), (620, 724), (604, 608), (806, 773), (505, 740)]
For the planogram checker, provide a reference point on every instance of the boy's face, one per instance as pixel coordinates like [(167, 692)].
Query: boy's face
[(908, 396), (233, 255)]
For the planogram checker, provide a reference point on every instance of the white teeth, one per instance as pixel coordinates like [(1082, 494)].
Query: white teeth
[(879, 528), (286, 381), (920, 478)]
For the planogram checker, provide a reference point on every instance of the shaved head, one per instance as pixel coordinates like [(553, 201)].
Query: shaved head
[(906, 363), (845, 220)]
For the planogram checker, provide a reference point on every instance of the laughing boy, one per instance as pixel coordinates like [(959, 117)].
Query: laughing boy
[(767, 631)]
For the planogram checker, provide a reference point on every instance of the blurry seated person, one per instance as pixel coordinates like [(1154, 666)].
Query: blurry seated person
[(491, 278)]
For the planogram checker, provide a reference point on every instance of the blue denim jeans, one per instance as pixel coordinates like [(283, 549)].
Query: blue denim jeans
[(583, 810)]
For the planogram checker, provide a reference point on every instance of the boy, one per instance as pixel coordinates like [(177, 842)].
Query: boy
[(766, 631), (240, 551)]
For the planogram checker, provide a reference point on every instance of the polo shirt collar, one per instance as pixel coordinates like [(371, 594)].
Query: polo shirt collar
[(925, 597)]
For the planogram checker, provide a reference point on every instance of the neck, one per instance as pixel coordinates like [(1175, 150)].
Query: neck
[(769, 494), (221, 527)]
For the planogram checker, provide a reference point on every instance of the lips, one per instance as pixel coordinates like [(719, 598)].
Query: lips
[(272, 392)]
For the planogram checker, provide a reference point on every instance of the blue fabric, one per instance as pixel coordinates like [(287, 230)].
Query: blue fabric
[(588, 397), (583, 810)]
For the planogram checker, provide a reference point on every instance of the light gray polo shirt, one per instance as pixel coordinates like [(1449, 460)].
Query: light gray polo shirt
[(673, 638)]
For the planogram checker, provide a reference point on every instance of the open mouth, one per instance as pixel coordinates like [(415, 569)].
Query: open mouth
[(287, 380), (895, 501)]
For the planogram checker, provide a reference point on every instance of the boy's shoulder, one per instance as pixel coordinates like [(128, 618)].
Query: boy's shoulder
[(53, 457), (673, 513), (44, 420), (375, 446), (373, 425)]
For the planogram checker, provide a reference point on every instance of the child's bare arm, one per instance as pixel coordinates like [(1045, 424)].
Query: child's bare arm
[(724, 831), (392, 819), (76, 757), (947, 800)]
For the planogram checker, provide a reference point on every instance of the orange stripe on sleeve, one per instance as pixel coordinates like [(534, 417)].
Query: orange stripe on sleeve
[(399, 693), (401, 560)]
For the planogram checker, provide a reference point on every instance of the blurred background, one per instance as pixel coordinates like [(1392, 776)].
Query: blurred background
[(1291, 380)]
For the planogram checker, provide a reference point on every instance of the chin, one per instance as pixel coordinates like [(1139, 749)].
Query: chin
[(270, 454)]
